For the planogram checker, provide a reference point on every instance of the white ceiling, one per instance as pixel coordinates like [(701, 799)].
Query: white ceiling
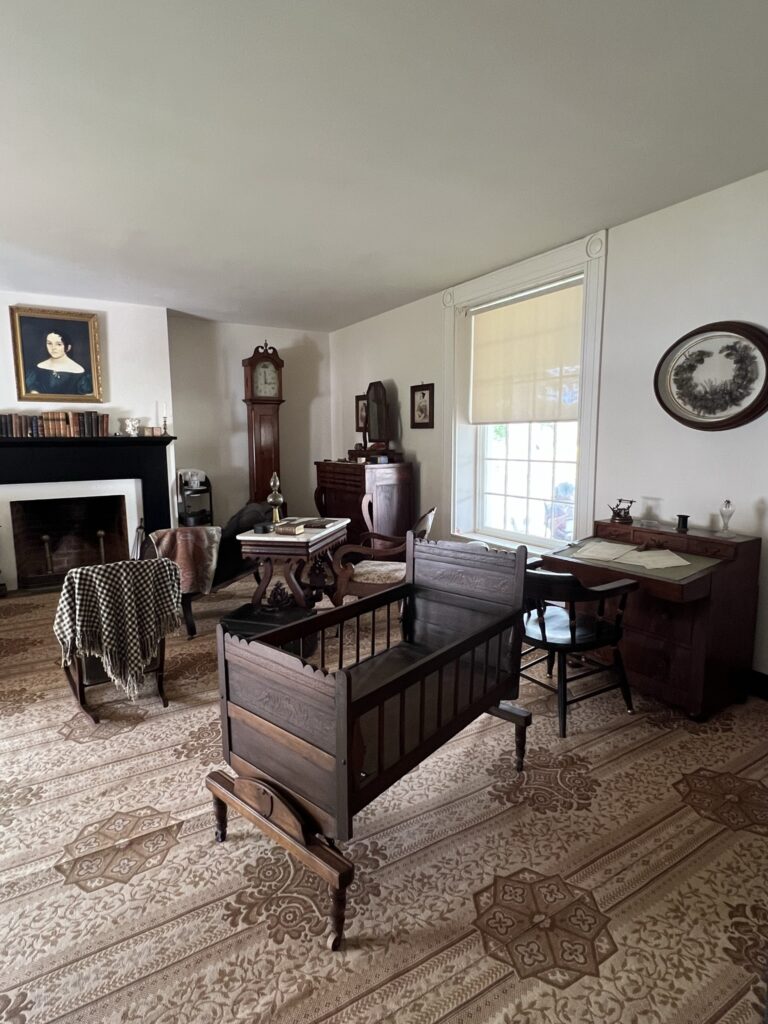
[(309, 163)]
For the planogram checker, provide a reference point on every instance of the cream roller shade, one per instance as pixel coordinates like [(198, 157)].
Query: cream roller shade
[(526, 358)]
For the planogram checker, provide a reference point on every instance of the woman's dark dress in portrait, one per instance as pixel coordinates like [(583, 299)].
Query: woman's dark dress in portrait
[(57, 382)]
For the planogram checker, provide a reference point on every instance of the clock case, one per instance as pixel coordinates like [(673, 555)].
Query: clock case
[(263, 421)]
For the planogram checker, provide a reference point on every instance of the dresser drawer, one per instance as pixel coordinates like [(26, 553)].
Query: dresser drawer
[(672, 673), (711, 548), (341, 475), (614, 531), (667, 619)]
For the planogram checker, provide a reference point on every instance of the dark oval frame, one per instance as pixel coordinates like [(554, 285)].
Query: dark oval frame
[(756, 336)]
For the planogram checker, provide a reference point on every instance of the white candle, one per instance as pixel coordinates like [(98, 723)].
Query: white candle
[(165, 411)]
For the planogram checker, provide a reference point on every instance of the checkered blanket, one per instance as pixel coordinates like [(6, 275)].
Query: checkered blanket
[(119, 612)]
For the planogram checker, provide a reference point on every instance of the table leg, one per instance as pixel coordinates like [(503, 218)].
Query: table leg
[(318, 575), (292, 570), (267, 569)]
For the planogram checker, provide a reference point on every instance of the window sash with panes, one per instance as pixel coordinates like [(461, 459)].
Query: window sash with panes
[(525, 370), (527, 482)]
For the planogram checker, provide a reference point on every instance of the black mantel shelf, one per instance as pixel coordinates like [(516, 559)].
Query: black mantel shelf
[(33, 460), (117, 439)]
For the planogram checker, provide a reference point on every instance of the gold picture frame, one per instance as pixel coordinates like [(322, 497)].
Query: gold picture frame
[(56, 355)]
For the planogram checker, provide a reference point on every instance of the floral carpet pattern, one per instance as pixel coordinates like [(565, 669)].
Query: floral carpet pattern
[(621, 879)]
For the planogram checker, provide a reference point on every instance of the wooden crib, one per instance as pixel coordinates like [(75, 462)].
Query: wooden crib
[(395, 676)]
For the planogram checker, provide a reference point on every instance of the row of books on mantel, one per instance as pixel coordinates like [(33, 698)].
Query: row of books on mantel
[(55, 424)]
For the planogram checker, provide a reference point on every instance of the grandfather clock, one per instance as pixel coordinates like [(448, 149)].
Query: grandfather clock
[(263, 397)]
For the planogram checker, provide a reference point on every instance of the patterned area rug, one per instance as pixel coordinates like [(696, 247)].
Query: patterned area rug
[(622, 878)]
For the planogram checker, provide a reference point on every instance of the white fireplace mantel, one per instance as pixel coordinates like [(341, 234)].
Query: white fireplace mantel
[(130, 490)]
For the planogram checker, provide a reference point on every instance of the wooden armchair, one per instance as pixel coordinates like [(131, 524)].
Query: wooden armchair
[(375, 564), (565, 618)]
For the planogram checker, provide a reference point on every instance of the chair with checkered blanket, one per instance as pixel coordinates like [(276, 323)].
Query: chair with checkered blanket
[(112, 621)]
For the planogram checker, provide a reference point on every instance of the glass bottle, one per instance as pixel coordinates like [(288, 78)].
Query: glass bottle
[(726, 511)]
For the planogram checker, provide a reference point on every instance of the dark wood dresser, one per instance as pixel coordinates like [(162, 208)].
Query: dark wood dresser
[(375, 497), (688, 641)]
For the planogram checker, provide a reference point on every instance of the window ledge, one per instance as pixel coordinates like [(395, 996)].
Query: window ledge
[(505, 542)]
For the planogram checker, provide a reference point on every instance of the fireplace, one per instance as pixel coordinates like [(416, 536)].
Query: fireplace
[(141, 469), (54, 535)]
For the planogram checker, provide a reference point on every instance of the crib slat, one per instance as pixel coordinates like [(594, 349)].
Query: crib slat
[(455, 687), (485, 666), (380, 739), (422, 706), (401, 723), (498, 659), (373, 631), (439, 697), (341, 644), (357, 638), (472, 675), (389, 626)]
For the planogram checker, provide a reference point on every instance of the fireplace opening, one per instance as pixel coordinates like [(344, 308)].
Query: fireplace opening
[(57, 534)]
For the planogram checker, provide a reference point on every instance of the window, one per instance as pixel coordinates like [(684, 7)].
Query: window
[(524, 346), (524, 395), (527, 480)]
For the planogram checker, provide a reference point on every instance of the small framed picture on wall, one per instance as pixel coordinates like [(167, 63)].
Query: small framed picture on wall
[(361, 413), (423, 406), (56, 353)]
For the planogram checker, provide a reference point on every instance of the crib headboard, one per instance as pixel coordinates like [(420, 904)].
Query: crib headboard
[(456, 569)]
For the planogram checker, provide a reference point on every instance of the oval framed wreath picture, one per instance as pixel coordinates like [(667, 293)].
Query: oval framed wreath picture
[(715, 377)]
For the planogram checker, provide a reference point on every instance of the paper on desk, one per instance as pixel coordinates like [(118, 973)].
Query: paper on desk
[(603, 550), (656, 559)]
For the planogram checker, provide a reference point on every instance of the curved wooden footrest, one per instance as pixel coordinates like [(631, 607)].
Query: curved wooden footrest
[(274, 813)]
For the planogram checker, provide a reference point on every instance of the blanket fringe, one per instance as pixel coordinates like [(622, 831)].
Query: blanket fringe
[(90, 643)]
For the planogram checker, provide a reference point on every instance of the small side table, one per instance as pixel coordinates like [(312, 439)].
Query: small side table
[(291, 554)]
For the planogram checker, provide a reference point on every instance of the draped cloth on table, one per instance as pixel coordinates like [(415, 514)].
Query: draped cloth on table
[(119, 612), (195, 549)]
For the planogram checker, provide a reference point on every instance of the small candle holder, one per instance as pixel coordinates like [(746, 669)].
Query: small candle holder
[(275, 498), (165, 426)]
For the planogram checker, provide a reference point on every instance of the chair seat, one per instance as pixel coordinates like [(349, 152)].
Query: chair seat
[(379, 573), (590, 631)]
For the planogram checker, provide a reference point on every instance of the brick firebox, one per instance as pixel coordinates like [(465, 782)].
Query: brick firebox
[(72, 526)]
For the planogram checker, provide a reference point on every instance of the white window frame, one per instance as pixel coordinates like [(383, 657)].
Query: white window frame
[(586, 257)]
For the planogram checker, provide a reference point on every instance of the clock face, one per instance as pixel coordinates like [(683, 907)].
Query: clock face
[(265, 381)]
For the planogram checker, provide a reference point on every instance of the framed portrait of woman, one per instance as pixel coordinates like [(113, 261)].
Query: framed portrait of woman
[(56, 354), (423, 406)]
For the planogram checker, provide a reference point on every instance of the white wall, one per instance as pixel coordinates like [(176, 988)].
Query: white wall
[(134, 358), (694, 263), (699, 261), (136, 379), (210, 417), (401, 348)]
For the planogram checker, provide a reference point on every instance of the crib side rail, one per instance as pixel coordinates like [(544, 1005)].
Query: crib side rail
[(341, 638), (395, 726)]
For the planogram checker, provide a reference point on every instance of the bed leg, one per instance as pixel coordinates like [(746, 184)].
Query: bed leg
[(521, 719), (220, 814), (521, 732), (337, 915)]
